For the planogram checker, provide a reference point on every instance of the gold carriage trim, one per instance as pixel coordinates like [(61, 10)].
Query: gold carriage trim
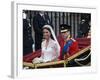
[(64, 62)]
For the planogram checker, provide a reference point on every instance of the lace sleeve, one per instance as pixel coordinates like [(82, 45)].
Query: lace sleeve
[(57, 50)]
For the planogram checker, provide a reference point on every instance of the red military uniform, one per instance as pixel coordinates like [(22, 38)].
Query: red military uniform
[(72, 49)]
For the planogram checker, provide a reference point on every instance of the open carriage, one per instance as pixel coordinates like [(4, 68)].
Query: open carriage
[(81, 57)]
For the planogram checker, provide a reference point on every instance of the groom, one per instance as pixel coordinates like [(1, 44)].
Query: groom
[(68, 45)]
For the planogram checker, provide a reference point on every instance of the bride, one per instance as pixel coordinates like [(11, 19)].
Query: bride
[(50, 46)]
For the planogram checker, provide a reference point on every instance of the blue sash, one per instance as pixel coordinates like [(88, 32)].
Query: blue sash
[(66, 47)]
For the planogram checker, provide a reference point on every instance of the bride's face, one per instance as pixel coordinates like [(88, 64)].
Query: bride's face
[(46, 34)]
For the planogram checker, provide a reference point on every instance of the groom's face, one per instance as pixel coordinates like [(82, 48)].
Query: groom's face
[(65, 34)]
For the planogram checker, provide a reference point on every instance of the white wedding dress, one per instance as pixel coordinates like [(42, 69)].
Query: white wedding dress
[(49, 53)]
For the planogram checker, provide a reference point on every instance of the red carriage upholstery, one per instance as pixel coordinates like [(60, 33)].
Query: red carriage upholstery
[(83, 42), (31, 56)]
